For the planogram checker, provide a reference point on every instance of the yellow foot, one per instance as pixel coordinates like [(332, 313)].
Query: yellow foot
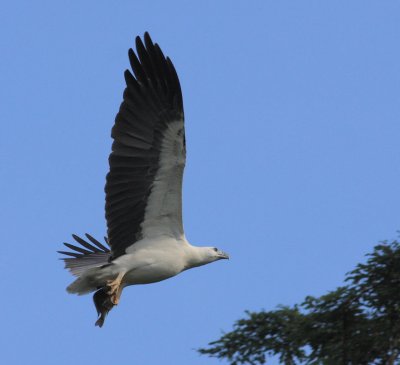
[(115, 288), (116, 296)]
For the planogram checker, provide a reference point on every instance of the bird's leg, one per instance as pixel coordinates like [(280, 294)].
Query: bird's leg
[(114, 288), (115, 297)]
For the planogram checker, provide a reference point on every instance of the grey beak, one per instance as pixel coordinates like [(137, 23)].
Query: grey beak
[(223, 255)]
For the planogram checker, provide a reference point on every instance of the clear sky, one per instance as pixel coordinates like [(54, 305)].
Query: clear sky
[(292, 119)]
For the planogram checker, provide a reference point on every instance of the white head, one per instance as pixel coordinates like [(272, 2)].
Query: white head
[(205, 255)]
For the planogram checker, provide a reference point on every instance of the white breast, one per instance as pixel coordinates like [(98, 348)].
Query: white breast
[(152, 260)]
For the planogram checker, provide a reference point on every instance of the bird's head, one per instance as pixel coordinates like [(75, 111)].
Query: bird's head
[(215, 254), (199, 256)]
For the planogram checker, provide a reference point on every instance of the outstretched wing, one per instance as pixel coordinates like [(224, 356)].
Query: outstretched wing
[(144, 185)]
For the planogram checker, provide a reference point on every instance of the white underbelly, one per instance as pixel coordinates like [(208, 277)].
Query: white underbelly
[(150, 274), (149, 262)]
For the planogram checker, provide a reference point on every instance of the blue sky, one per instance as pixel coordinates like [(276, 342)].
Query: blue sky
[(292, 118)]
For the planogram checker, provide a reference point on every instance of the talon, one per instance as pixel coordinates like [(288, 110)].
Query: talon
[(114, 300), (114, 288), (107, 297), (111, 288)]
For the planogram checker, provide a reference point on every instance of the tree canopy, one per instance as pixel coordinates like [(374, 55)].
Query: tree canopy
[(356, 324)]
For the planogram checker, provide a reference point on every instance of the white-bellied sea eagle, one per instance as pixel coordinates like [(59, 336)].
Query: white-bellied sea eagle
[(143, 190)]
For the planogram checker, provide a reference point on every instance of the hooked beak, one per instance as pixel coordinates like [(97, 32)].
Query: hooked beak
[(223, 255)]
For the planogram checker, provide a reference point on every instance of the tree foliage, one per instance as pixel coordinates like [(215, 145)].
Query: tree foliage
[(356, 324)]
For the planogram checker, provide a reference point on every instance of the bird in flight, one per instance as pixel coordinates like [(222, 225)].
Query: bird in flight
[(145, 240)]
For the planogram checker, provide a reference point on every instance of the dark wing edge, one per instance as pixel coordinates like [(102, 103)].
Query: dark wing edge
[(85, 256), (151, 100)]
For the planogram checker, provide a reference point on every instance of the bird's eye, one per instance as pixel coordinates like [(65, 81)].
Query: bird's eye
[(215, 249)]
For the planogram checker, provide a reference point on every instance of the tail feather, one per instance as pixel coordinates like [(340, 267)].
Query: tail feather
[(88, 262), (93, 255)]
